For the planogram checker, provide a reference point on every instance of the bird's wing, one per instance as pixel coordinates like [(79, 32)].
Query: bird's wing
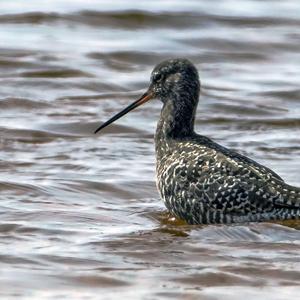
[(232, 154), (283, 195), (244, 187), (254, 164)]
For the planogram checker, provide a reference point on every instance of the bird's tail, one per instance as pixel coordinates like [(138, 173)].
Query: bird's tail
[(289, 196)]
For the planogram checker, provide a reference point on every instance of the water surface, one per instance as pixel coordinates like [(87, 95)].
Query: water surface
[(80, 214)]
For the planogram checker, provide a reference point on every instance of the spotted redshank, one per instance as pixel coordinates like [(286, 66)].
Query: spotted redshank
[(199, 180)]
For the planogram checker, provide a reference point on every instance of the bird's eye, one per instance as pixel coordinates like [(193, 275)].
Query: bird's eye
[(158, 77)]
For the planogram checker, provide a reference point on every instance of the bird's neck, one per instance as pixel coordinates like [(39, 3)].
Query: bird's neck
[(176, 122)]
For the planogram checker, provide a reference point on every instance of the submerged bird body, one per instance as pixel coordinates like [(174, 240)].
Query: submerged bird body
[(204, 183), (199, 180)]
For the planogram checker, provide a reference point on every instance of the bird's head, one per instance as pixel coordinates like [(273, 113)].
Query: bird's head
[(171, 80)]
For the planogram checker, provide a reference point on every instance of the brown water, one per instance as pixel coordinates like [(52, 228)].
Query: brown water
[(80, 214)]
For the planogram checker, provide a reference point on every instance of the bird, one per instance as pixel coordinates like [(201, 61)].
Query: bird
[(199, 180)]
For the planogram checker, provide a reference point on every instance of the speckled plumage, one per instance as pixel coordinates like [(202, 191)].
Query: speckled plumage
[(199, 180)]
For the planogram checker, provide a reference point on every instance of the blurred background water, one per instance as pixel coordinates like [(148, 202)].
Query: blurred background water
[(80, 214)]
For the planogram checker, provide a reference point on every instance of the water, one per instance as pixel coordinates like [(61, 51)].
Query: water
[(80, 214)]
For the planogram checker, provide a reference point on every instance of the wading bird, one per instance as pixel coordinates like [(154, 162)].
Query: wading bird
[(199, 180)]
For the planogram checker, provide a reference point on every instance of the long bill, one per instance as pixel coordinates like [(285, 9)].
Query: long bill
[(146, 97)]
